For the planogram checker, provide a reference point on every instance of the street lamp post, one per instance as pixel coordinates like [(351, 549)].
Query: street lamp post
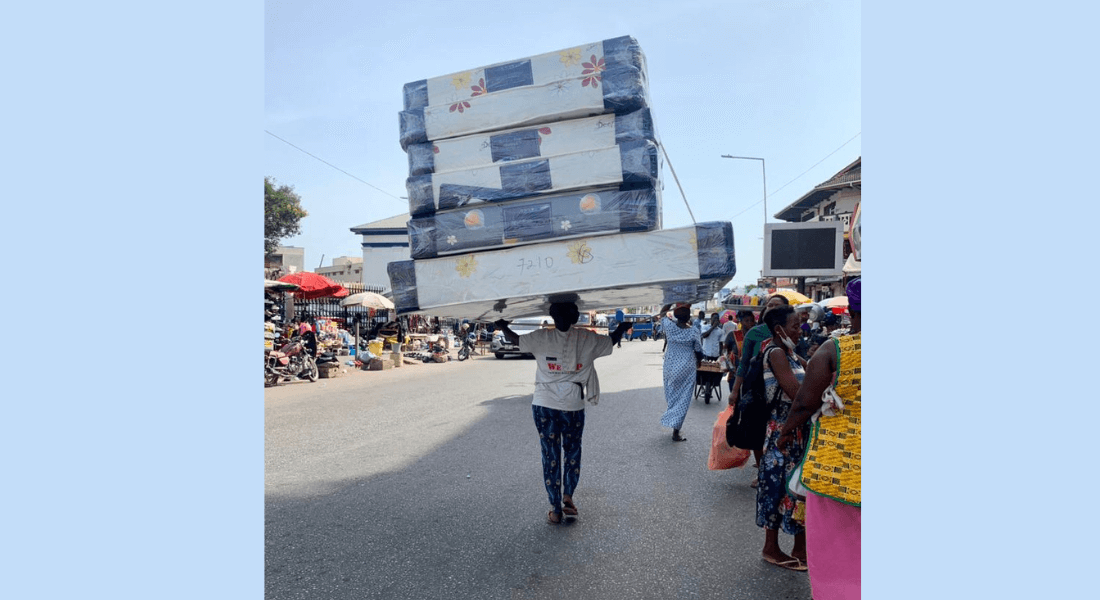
[(763, 170)]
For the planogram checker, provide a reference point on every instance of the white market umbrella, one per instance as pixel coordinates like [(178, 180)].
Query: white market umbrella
[(368, 300), (836, 302), (852, 266)]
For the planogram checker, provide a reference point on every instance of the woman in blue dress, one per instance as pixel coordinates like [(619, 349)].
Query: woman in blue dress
[(681, 360)]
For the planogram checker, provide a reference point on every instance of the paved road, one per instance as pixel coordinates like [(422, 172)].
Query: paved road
[(425, 482)]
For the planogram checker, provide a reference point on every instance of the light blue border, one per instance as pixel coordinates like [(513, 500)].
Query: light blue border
[(133, 438)]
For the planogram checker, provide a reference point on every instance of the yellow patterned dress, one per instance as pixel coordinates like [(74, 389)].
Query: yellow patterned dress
[(832, 466)]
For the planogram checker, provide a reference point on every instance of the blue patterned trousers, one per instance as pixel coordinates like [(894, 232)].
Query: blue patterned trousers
[(560, 437)]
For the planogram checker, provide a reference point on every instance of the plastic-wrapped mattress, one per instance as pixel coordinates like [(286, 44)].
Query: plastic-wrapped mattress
[(671, 265), (627, 164), (555, 216), (591, 79), (550, 139)]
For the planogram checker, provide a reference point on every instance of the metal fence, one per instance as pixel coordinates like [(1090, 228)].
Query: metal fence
[(329, 308)]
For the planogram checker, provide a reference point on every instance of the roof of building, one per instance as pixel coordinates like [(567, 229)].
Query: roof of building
[(396, 222), (847, 177)]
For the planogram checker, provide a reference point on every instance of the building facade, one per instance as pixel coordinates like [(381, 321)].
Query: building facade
[(344, 269), (834, 200), (284, 261), (383, 242)]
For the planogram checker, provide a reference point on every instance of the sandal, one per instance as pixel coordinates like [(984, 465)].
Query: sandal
[(792, 564), (550, 518), (569, 508)]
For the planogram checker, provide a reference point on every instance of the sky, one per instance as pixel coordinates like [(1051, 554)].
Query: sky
[(776, 80)]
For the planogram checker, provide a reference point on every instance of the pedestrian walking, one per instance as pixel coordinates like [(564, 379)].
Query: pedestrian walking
[(565, 379), (682, 357)]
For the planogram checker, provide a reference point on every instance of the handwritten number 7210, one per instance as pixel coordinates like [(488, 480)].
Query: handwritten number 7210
[(538, 263)]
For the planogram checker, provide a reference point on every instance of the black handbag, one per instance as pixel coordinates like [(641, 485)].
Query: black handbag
[(746, 427)]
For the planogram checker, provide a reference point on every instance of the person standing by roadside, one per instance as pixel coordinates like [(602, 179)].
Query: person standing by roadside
[(831, 471), (681, 360), (829, 324), (711, 338), (564, 380), (728, 327), (746, 320), (776, 507), (754, 340)]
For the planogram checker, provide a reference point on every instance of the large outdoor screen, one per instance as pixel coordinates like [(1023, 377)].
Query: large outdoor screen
[(803, 249)]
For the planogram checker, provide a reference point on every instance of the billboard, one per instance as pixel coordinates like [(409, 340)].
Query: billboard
[(812, 249)]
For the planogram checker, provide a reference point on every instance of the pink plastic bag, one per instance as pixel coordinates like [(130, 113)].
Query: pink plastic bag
[(722, 456)]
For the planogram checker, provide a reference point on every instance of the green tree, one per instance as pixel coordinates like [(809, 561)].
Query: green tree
[(283, 213)]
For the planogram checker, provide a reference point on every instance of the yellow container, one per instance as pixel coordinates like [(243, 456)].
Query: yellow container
[(375, 347)]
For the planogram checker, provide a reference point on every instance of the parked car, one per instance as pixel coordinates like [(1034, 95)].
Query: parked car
[(501, 347)]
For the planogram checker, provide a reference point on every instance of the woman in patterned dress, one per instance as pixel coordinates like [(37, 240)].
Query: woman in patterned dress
[(681, 360), (775, 506)]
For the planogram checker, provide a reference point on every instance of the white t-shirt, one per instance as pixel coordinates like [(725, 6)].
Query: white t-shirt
[(710, 343), (563, 359)]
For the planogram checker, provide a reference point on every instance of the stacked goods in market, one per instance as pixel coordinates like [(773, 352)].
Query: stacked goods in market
[(269, 336), (595, 79), (603, 210), (627, 269), (539, 180)]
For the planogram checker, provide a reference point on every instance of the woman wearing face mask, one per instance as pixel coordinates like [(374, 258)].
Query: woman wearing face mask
[(681, 360), (753, 342), (775, 506)]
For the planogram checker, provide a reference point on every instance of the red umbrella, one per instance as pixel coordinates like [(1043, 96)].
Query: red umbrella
[(340, 293), (312, 285)]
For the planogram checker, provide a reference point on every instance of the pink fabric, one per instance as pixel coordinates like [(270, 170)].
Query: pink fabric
[(832, 548)]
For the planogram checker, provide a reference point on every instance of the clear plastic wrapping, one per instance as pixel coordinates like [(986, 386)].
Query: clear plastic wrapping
[(556, 216), (628, 164), (550, 139), (590, 79), (685, 264)]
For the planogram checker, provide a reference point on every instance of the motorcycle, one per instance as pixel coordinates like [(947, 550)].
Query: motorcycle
[(467, 347), (291, 361)]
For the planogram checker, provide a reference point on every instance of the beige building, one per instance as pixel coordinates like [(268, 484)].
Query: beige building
[(284, 261), (344, 269)]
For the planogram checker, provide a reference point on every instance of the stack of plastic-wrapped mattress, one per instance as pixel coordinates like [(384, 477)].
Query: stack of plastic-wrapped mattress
[(538, 181)]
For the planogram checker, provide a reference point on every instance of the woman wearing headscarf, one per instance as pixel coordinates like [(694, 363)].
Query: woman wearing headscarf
[(681, 360), (776, 507), (831, 471)]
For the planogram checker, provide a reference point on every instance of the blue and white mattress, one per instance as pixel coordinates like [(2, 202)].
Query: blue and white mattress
[(550, 139), (630, 164), (591, 79), (558, 216), (685, 264)]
